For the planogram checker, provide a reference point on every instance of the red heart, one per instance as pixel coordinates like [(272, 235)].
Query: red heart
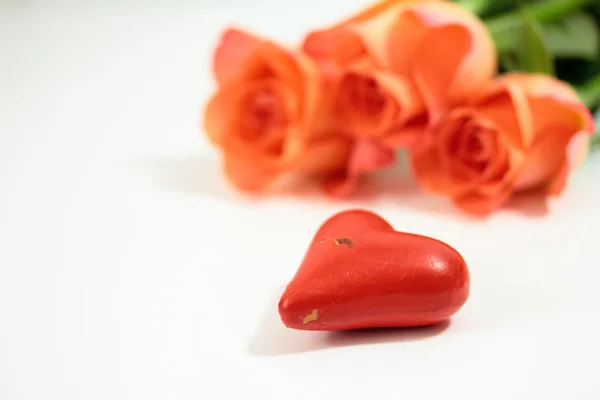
[(360, 273)]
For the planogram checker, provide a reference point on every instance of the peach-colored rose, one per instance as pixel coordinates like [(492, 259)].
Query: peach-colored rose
[(266, 113), (372, 103), (368, 104), (338, 45), (396, 67), (445, 49), (520, 132)]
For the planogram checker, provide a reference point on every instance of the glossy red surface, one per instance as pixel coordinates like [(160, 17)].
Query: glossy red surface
[(360, 273)]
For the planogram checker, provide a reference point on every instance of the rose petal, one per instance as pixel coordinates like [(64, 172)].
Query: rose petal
[(223, 128), (404, 93), (455, 56), (355, 38), (544, 160), (245, 176), (232, 50), (560, 122), (436, 67), (272, 61), (549, 114), (507, 106), (576, 151), (333, 49), (560, 142), (445, 166), (430, 174), (501, 161), (488, 198), (294, 82), (400, 41), (363, 108), (325, 155), (366, 156), (413, 135), (480, 63), (301, 77), (541, 85), (264, 60), (344, 38), (217, 117), (392, 37), (450, 138), (509, 164), (371, 102)]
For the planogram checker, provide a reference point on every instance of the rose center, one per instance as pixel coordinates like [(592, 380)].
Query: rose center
[(364, 94), (472, 144), (263, 113)]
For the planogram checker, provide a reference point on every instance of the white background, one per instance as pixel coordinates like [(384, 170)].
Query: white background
[(129, 269)]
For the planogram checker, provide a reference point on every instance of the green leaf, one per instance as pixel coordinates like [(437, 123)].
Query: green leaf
[(595, 141), (503, 26), (589, 92), (509, 62), (533, 53), (575, 36)]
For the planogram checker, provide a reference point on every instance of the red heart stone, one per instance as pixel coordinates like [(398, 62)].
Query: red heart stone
[(360, 273)]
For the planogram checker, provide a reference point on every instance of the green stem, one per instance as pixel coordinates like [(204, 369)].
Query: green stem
[(503, 25), (589, 92), (595, 141)]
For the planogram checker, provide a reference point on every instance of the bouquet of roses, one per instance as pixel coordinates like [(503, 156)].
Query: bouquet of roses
[(476, 92)]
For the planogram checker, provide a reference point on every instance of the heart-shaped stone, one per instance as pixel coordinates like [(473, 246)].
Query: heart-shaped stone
[(360, 273)]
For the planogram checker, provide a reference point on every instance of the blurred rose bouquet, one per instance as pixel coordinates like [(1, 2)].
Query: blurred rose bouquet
[(421, 76)]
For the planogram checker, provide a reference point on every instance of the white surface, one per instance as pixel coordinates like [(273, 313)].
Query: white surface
[(130, 270)]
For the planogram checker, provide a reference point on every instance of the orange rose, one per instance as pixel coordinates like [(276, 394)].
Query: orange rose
[(445, 50), (368, 104), (265, 115), (372, 103), (443, 47), (339, 45), (391, 74), (521, 132)]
